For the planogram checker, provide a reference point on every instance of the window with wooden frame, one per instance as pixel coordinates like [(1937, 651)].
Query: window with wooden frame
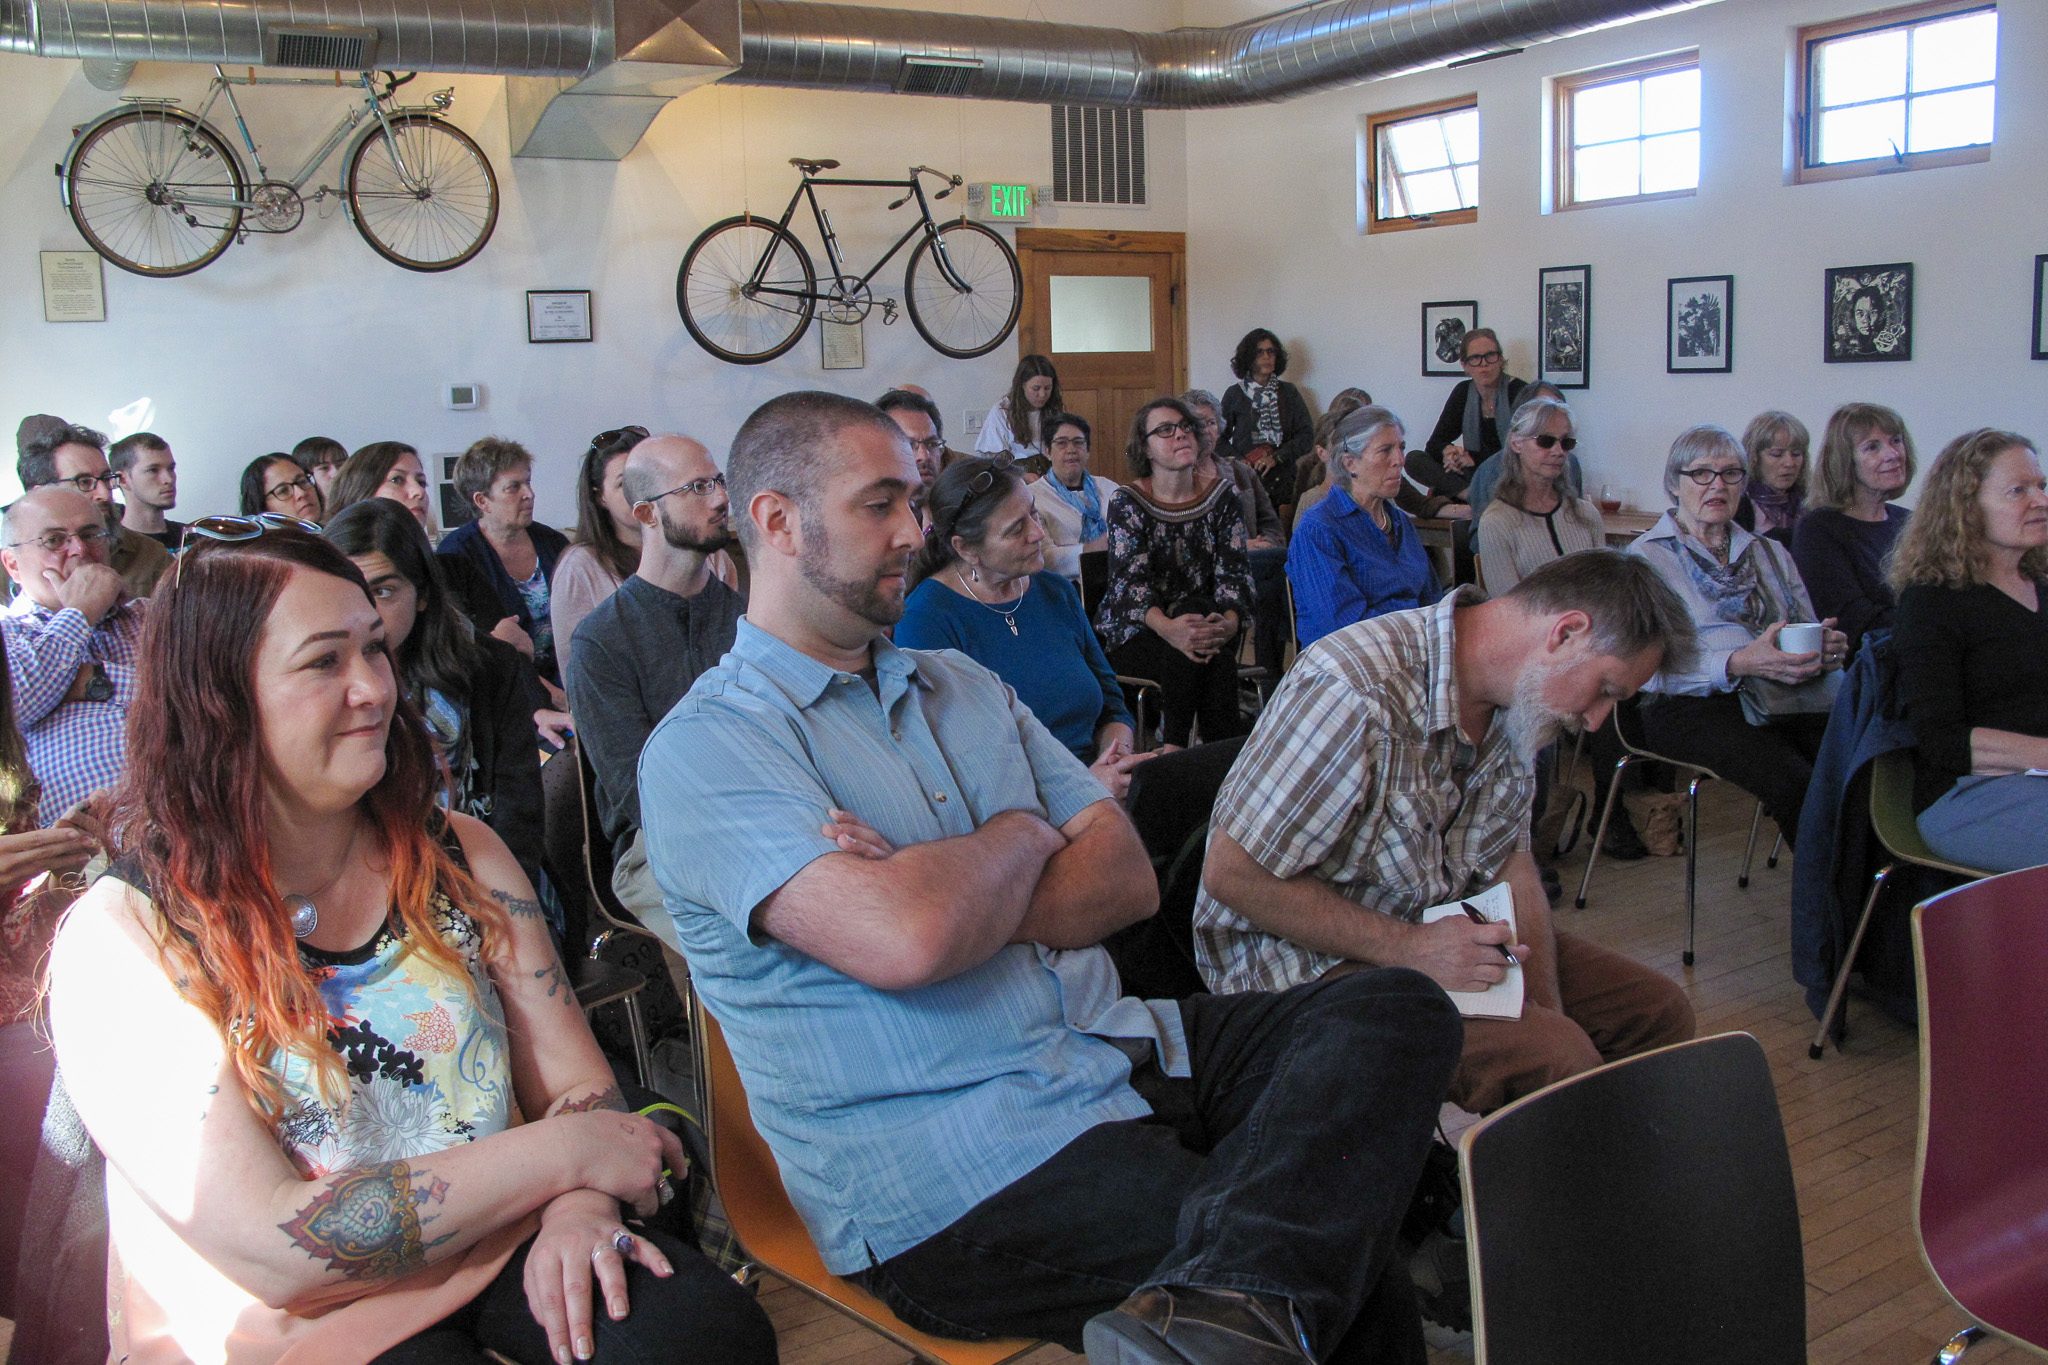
[(1422, 165), (1897, 90), (1627, 133)]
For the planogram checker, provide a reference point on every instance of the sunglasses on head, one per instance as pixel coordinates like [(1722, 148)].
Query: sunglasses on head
[(222, 527), (625, 438)]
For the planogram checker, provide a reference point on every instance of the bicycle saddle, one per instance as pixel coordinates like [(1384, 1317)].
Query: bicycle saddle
[(813, 167)]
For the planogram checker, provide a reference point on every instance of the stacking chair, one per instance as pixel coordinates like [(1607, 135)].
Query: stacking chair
[(1643, 1211), (744, 1174), (1634, 753), (1891, 816), (1979, 1190)]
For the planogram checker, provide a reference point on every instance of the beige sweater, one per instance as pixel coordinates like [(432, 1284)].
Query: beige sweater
[(1514, 544)]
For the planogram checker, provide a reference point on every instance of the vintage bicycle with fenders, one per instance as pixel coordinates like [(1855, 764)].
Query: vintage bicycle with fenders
[(748, 289), (159, 192)]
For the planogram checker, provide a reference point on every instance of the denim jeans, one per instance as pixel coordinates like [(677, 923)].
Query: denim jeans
[(1283, 1167)]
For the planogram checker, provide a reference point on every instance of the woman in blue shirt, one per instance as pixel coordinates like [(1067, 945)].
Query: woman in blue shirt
[(983, 589), (1355, 554)]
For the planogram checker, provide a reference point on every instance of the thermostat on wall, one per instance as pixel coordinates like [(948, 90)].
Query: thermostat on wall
[(462, 397)]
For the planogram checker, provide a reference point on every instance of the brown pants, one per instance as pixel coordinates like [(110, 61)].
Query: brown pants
[(1613, 1007)]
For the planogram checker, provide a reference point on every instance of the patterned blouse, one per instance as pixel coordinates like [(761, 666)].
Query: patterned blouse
[(1174, 558)]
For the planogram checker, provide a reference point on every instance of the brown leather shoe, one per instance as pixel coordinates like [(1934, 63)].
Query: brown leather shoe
[(1180, 1325)]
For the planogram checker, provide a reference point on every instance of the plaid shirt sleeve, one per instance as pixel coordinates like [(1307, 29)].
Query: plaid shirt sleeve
[(43, 659), (1297, 792)]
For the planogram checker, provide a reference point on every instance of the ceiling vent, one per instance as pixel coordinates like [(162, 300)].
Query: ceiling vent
[(320, 49), (1098, 155), (936, 75)]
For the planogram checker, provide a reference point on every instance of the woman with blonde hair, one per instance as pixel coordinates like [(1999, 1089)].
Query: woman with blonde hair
[(1777, 443), (1971, 643), (1851, 522), (1534, 515)]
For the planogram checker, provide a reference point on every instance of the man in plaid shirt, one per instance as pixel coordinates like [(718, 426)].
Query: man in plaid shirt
[(1393, 771), (71, 645)]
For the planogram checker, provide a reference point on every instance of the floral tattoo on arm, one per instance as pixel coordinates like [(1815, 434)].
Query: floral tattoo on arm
[(607, 1098), (368, 1224)]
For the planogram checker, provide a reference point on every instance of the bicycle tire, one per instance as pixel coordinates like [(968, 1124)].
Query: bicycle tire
[(716, 294), (974, 322), (438, 214), (121, 184)]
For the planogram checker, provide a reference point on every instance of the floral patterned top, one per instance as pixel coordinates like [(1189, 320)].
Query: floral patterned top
[(1173, 558)]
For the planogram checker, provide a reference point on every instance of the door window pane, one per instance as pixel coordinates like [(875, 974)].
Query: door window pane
[(1101, 313)]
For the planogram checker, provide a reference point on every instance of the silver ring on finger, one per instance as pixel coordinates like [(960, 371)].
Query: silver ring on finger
[(622, 1242), (664, 1192)]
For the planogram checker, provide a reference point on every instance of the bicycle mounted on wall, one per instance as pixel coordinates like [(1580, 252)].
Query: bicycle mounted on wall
[(747, 288), (160, 192)]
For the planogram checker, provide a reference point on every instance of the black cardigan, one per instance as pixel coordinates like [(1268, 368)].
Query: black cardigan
[(504, 693), (1241, 424), (1450, 424)]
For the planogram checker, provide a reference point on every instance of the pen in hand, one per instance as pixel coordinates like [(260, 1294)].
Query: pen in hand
[(1477, 916)]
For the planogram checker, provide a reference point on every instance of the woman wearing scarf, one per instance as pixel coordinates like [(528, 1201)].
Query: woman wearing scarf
[(1742, 590), (1474, 424), (1265, 422), (1072, 504), (1777, 443)]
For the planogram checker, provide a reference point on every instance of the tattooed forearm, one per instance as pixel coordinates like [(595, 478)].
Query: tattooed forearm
[(519, 907), (607, 1098), (367, 1223), (551, 977)]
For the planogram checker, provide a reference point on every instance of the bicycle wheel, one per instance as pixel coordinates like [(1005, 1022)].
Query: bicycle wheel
[(129, 184), (964, 323), (746, 290), (434, 205)]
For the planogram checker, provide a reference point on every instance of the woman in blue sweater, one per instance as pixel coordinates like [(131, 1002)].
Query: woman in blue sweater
[(983, 589)]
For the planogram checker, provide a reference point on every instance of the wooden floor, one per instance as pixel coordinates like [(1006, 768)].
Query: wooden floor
[(1849, 1118)]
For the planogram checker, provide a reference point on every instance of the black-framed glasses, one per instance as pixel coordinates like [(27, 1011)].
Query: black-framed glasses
[(304, 483), (696, 488), (1733, 478), (1483, 358), (1547, 441), (85, 483), (52, 542), (625, 438), (223, 527), (1166, 431)]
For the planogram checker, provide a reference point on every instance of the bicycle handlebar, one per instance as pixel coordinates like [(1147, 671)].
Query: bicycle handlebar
[(392, 80)]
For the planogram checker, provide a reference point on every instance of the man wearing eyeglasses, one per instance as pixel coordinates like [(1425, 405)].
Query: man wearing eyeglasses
[(638, 651), (71, 644), (915, 412), (53, 451)]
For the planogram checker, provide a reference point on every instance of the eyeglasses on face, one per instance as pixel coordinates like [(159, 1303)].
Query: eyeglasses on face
[(1483, 358), (696, 488), (1166, 431), (85, 483), (930, 445), (1070, 443), (304, 483), (52, 542), (1548, 442), (625, 438), (1733, 478)]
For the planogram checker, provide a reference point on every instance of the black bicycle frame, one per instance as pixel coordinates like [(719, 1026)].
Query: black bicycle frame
[(807, 191)]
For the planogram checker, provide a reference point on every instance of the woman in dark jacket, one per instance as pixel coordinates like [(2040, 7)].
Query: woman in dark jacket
[(1265, 422), (511, 551), (1474, 424)]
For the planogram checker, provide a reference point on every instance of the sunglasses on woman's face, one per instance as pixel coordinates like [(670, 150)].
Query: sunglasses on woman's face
[(1547, 441)]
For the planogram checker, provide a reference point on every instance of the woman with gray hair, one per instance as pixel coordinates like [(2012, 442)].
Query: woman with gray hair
[(1535, 515), (507, 548), (1742, 590), (1355, 554)]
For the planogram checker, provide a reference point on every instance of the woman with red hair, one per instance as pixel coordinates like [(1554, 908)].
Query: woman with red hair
[(349, 1106)]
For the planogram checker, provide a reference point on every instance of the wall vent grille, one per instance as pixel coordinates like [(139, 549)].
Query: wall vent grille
[(321, 49), (1098, 155), (936, 75)]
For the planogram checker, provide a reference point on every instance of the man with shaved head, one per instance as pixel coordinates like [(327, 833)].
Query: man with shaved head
[(638, 651)]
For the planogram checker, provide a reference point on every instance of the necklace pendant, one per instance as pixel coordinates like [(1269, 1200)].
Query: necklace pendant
[(305, 916), (1011, 622)]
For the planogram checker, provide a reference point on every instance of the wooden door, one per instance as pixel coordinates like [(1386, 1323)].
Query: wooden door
[(1117, 301)]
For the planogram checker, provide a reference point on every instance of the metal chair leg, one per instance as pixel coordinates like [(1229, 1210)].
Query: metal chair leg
[(1749, 849), (636, 1027), (1600, 835), (1777, 847), (1819, 1045), (1952, 1350), (1692, 859)]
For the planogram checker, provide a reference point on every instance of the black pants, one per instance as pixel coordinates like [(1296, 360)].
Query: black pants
[(1270, 627), (1190, 691), (1773, 763), (27, 1067), (1283, 1166), (698, 1315)]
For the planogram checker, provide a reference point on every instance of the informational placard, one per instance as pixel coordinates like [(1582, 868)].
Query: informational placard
[(844, 347), (74, 289), (558, 315)]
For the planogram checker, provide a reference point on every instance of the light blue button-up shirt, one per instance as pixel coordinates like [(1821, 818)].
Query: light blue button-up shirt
[(891, 1113)]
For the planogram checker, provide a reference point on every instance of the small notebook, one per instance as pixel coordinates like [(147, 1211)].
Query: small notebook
[(1502, 1000)]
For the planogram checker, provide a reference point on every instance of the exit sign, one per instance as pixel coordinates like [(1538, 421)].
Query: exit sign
[(1002, 203)]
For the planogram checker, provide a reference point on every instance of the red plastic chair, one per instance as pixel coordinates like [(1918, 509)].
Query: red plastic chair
[(1981, 1187)]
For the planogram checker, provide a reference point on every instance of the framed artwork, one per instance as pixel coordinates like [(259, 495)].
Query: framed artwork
[(1564, 325), (2040, 313), (1699, 325), (1869, 313), (558, 315), (1443, 335)]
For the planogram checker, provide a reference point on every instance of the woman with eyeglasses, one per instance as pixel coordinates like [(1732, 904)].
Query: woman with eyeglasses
[(349, 1105), (1355, 554), (1073, 504), (981, 587), (1850, 524), (1474, 424), (1265, 422), (1015, 425), (1180, 578), (1777, 443), (277, 483), (512, 552), (1742, 589), (1535, 515)]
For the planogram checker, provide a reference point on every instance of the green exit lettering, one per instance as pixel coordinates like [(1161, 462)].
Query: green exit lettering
[(1009, 201)]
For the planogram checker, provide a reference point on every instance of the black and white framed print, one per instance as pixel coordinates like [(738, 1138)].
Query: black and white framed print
[(2041, 311), (1699, 325), (1869, 313), (1564, 325), (1443, 335)]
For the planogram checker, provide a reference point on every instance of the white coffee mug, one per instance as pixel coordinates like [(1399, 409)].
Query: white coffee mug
[(1801, 637)]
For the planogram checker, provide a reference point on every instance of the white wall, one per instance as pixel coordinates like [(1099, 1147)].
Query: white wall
[(284, 337), (1273, 240)]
